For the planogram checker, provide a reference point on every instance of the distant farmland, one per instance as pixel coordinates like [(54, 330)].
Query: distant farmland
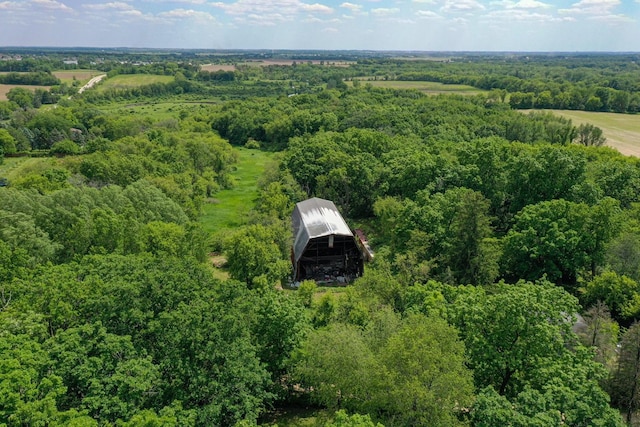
[(67, 76), (128, 81), (621, 130)]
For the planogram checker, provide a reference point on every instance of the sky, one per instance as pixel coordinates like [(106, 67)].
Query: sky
[(424, 25)]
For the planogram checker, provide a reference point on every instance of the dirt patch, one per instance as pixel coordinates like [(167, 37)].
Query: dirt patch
[(218, 260)]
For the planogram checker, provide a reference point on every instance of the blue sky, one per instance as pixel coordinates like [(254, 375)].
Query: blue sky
[(429, 25)]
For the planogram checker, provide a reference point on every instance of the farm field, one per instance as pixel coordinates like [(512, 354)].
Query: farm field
[(431, 88), (230, 208), (218, 67), (67, 76), (4, 89), (621, 130), (127, 81)]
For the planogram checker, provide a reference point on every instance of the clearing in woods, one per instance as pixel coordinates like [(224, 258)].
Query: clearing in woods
[(230, 208), (621, 130)]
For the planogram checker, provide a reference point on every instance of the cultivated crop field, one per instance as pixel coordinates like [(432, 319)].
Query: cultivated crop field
[(431, 88), (128, 81), (621, 130), (218, 67), (67, 76)]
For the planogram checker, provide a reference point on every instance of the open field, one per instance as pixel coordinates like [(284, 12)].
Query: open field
[(230, 208), (67, 76), (128, 81), (621, 130), (431, 88), (4, 89), (218, 67)]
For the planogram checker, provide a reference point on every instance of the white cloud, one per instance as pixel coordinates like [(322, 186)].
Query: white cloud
[(51, 4), (383, 11), (9, 5), (356, 8), (519, 15), (613, 19), (118, 5), (429, 1), (461, 6), (427, 14), (316, 7), (286, 9), (530, 4), (330, 30), (186, 14), (592, 7)]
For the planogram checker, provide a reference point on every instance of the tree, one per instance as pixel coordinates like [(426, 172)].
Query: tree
[(511, 332), (253, 252), (601, 332), (21, 96), (559, 239), (590, 135), (626, 379), (620, 294), (428, 382), (413, 374), (7, 142)]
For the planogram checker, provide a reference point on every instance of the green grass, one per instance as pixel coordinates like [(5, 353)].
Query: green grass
[(128, 81), (15, 167), (621, 130), (431, 88), (230, 208)]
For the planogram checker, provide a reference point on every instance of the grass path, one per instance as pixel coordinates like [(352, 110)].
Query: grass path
[(230, 208), (14, 167)]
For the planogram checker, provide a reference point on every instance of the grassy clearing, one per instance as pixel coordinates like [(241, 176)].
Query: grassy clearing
[(15, 167), (83, 76), (128, 81), (229, 209), (621, 130), (431, 88), (4, 89)]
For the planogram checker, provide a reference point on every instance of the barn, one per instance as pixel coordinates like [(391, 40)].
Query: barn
[(324, 247)]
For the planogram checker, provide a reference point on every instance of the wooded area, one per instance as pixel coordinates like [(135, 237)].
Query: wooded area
[(505, 289)]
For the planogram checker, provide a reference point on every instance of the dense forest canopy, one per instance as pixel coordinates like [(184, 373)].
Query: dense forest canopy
[(505, 289)]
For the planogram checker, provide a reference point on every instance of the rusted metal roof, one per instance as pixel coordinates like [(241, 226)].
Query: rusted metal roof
[(314, 218)]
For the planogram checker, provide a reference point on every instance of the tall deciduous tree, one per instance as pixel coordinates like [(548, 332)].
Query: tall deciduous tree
[(626, 379)]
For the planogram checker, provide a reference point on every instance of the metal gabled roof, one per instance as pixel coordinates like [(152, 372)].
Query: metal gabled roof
[(314, 218)]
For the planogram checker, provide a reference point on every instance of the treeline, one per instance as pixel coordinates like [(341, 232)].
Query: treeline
[(39, 78), (206, 88)]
